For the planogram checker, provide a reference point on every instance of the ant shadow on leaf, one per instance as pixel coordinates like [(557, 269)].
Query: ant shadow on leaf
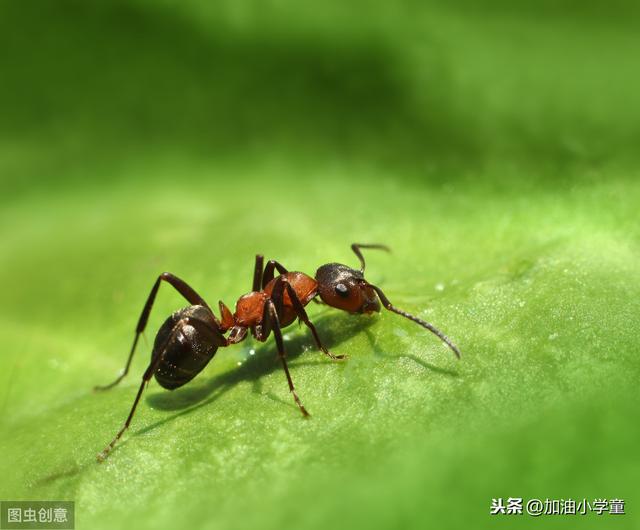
[(187, 399), (429, 366), (264, 362)]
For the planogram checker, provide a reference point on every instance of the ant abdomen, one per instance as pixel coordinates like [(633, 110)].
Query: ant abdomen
[(190, 340)]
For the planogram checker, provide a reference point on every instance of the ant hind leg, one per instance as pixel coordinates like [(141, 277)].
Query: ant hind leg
[(146, 377), (179, 285), (268, 271)]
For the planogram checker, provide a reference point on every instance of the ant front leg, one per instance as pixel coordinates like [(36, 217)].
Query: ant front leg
[(271, 322), (179, 285), (301, 313)]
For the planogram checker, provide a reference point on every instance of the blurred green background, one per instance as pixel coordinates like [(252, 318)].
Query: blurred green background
[(492, 145)]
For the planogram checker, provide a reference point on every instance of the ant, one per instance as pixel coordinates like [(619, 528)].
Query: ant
[(190, 337)]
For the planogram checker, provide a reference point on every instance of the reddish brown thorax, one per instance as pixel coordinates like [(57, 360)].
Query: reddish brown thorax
[(250, 307), (304, 286)]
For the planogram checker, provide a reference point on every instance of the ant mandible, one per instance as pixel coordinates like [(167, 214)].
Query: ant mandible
[(190, 337)]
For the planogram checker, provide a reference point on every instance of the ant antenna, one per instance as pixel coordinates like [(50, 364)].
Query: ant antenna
[(356, 250), (424, 324)]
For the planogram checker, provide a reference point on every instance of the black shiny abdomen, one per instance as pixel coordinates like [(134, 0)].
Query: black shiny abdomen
[(194, 344)]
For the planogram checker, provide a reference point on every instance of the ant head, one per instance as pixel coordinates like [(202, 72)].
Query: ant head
[(345, 288)]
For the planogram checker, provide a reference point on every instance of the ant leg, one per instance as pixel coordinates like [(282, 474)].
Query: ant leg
[(302, 315), (238, 334), (356, 250), (153, 366), (268, 271), (180, 286), (257, 282), (272, 322), (257, 272)]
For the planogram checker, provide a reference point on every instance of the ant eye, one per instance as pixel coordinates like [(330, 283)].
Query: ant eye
[(342, 290)]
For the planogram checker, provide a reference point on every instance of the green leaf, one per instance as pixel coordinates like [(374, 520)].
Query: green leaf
[(495, 152)]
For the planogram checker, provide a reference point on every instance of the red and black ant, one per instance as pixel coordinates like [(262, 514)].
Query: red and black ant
[(190, 337)]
